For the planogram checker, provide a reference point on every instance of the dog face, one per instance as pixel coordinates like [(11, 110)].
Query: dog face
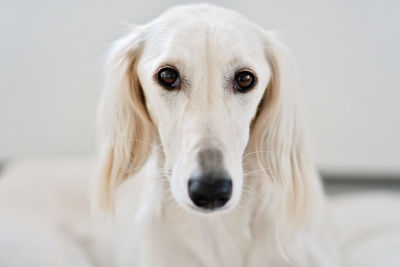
[(205, 85), (202, 91)]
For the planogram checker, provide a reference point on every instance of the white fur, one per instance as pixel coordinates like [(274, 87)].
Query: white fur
[(150, 138), (148, 144)]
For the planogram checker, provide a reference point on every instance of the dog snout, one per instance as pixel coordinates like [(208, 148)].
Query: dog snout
[(210, 191), (210, 187)]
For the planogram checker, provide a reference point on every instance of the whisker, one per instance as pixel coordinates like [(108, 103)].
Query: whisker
[(159, 147), (258, 152), (255, 171)]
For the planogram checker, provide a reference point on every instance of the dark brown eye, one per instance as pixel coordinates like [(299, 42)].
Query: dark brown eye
[(244, 81), (168, 78)]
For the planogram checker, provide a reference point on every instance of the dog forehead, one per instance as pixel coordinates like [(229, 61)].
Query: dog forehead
[(199, 37)]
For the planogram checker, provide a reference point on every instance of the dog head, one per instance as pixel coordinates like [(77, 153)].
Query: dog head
[(208, 88)]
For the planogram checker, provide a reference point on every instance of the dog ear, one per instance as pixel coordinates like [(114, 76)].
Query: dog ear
[(124, 126), (277, 140)]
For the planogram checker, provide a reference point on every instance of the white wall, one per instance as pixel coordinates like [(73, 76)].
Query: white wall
[(347, 54)]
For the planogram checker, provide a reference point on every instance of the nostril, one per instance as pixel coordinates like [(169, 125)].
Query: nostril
[(210, 193)]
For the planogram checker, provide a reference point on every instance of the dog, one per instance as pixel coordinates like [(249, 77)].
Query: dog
[(202, 150), (202, 162)]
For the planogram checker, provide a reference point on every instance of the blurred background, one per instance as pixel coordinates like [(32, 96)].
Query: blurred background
[(347, 55)]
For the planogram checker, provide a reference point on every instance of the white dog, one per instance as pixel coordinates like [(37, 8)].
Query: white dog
[(198, 114), (203, 161)]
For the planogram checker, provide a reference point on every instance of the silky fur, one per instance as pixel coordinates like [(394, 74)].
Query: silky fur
[(149, 138)]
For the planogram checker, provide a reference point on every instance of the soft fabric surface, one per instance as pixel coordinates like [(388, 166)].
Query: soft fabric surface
[(368, 226), (45, 219)]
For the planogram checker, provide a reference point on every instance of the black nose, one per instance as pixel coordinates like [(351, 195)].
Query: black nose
[(209, 192)]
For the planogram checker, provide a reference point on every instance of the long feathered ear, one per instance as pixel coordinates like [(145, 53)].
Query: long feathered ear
[(277, 140), (124, 127)]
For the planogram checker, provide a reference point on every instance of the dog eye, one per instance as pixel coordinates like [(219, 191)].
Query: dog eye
[(244, 81), (168, 78)]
